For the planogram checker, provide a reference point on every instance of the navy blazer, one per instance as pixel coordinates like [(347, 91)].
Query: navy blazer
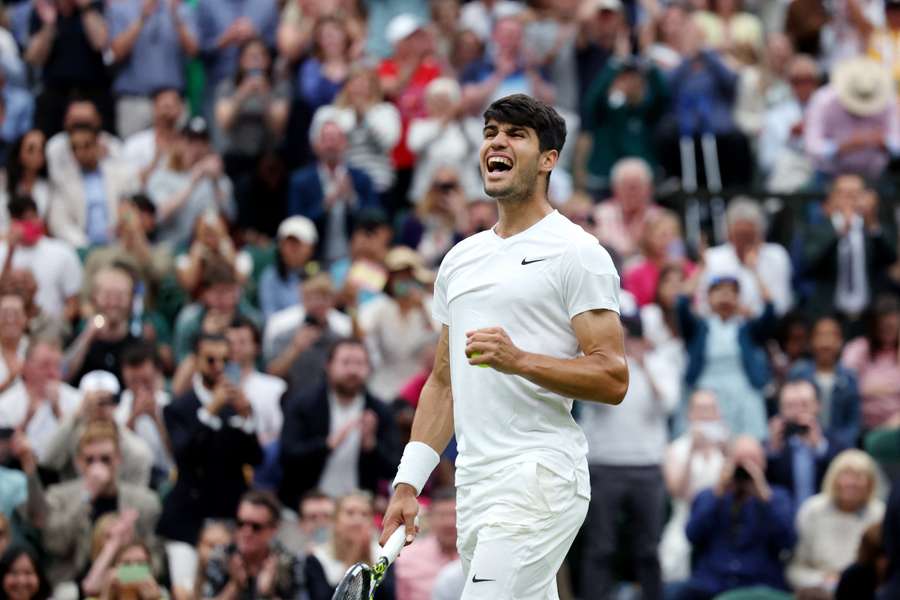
[(210, 463), (306, 197), (304, 448), (845, 419), (780, 467)]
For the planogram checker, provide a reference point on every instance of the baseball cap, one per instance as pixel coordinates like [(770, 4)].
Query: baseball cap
[(717, 280), (196, 127), (401, 27), (299, 228), (99, 381)]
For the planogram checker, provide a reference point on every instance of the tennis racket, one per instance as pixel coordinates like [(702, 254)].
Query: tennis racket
[(360, 581)]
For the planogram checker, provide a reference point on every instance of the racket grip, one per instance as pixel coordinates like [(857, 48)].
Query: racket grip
[(393, 546)]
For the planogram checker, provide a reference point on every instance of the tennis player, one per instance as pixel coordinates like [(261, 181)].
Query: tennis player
[(535, 299)]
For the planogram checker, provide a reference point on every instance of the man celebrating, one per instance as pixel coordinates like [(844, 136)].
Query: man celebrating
[(534, 300)]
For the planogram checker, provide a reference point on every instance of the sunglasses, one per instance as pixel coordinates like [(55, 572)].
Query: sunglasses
[(253, 525), (214, 360)]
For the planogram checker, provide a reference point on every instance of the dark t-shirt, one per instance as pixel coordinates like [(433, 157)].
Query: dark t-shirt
[(105, 356), (72, 61)]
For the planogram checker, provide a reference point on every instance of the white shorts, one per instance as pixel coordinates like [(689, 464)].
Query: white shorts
[(514, 529)]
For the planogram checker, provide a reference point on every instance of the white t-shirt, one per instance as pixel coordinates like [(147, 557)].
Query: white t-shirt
[(530, 284), (14, 408), (341, 473), (56, 269), (140, 148)]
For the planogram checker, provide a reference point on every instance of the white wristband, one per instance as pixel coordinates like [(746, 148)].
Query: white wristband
[(416, 465)]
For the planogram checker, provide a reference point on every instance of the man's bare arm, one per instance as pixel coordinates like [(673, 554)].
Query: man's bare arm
[(601, 375)]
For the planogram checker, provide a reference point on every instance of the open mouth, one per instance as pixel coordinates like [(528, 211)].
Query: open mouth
[(496, 164)]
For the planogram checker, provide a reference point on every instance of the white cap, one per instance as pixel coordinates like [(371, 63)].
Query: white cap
[(401, 27), (99, 381), (300, 228)]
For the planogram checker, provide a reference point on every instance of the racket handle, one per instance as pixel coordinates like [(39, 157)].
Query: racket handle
[(393, 546)]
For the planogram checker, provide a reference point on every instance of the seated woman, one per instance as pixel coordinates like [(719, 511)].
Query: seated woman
[(830, 525), (21, 575), (132, 576), (353, 540), (661, 244), (439, 219)]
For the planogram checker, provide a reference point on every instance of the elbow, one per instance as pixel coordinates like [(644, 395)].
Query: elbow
[(613, 385)]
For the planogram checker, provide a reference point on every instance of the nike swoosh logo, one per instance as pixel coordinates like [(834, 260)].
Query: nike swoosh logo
[(475, 579), (525, 261)]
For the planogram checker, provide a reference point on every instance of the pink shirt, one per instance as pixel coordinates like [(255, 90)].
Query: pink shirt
[(418, 567), (641, 280), (881, 371)]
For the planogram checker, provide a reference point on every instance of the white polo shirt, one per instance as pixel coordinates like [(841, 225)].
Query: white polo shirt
[(530, 284)]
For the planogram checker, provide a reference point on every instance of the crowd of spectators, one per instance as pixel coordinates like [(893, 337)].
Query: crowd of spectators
[(220, 226)]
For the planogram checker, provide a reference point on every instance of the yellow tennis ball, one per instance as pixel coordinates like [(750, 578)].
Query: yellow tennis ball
[(476, 355)]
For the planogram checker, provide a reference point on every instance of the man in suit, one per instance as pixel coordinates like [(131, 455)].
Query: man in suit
[(845, 251), (213, 437), (68, 512), (330, 192), (84, 207), (339, 438), (798, 451)]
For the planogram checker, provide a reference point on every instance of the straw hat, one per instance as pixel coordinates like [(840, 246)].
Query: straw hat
[(863, 86), (401, 258)]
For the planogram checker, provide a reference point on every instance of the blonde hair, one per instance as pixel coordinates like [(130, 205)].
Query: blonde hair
[(360, 69), (849, 460), (663, 216)]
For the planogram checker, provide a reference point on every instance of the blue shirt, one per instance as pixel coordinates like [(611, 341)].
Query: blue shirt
[(19, 113), (314, 86), (215, 16), (96, 208), (803, 465), (157, 59), (276, 293)]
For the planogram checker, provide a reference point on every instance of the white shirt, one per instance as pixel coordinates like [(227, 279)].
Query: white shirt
[(264, 393), (774, 270), (145, 427), (139, 149), (42, 426), (56, 269), (290, 318), (341, 473), (531, 284)]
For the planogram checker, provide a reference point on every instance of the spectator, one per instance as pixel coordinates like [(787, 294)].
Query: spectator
[(99, 391), (329, 192), (146, 149), (866, 575), (375, 127), (251, 109), (73, 507), (780, 151), (191, 184), (891, 539), (297, 339), (446, 136), (728, 29), (56, 268), (553, 37), (508, 71), (739, 528), (353, 541), (745, 249), (404, 79), (340, 437), (621, 219), (845, 252), (18, 112), (40, 400), (396, 326), (852, 124), (692, 464), (223, 27), (213, 437), (141, 404), (322, 75), (278, 284), (725, 351), (662, 243), (418, 569), (481, 15), (630, 474), (313, 526), (440, 217), (831, 524), (150, 44), (215, 537), (106, 333), (83, 210), (134, 555), (361, 276), (659, 321), (61, 163), (297, 26), (26, 174), (874, 359), (837, 385), (621, 110), (211, 244), (882, 41), (22, 577), (848, 28), (40, 325), (798, 451), (67, 43), (13, 340), (256, 566), (664, 38), (111, 534)]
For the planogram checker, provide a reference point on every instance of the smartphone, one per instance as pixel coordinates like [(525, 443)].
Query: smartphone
[(133, 573), (233, 372), (6, 433)]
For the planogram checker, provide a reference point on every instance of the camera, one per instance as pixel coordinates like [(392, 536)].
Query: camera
[(742, 475), (791, 429)]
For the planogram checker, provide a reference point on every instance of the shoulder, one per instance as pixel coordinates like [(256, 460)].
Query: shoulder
[(775, 251), (813, 508), (69, 490), (138, 496), (473, 243), (305, 173)]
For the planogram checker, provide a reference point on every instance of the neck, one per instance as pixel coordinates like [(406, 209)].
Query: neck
[(114, 331), (516, 216), (823, 365), (331, 164), (342, 398), (255, 560)]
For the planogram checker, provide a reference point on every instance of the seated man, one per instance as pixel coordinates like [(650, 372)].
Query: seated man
[(798, 451), (739, 528), (69, 511)]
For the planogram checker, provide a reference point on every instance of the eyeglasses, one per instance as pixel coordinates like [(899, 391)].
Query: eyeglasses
[(105, 459), (253, 525)]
